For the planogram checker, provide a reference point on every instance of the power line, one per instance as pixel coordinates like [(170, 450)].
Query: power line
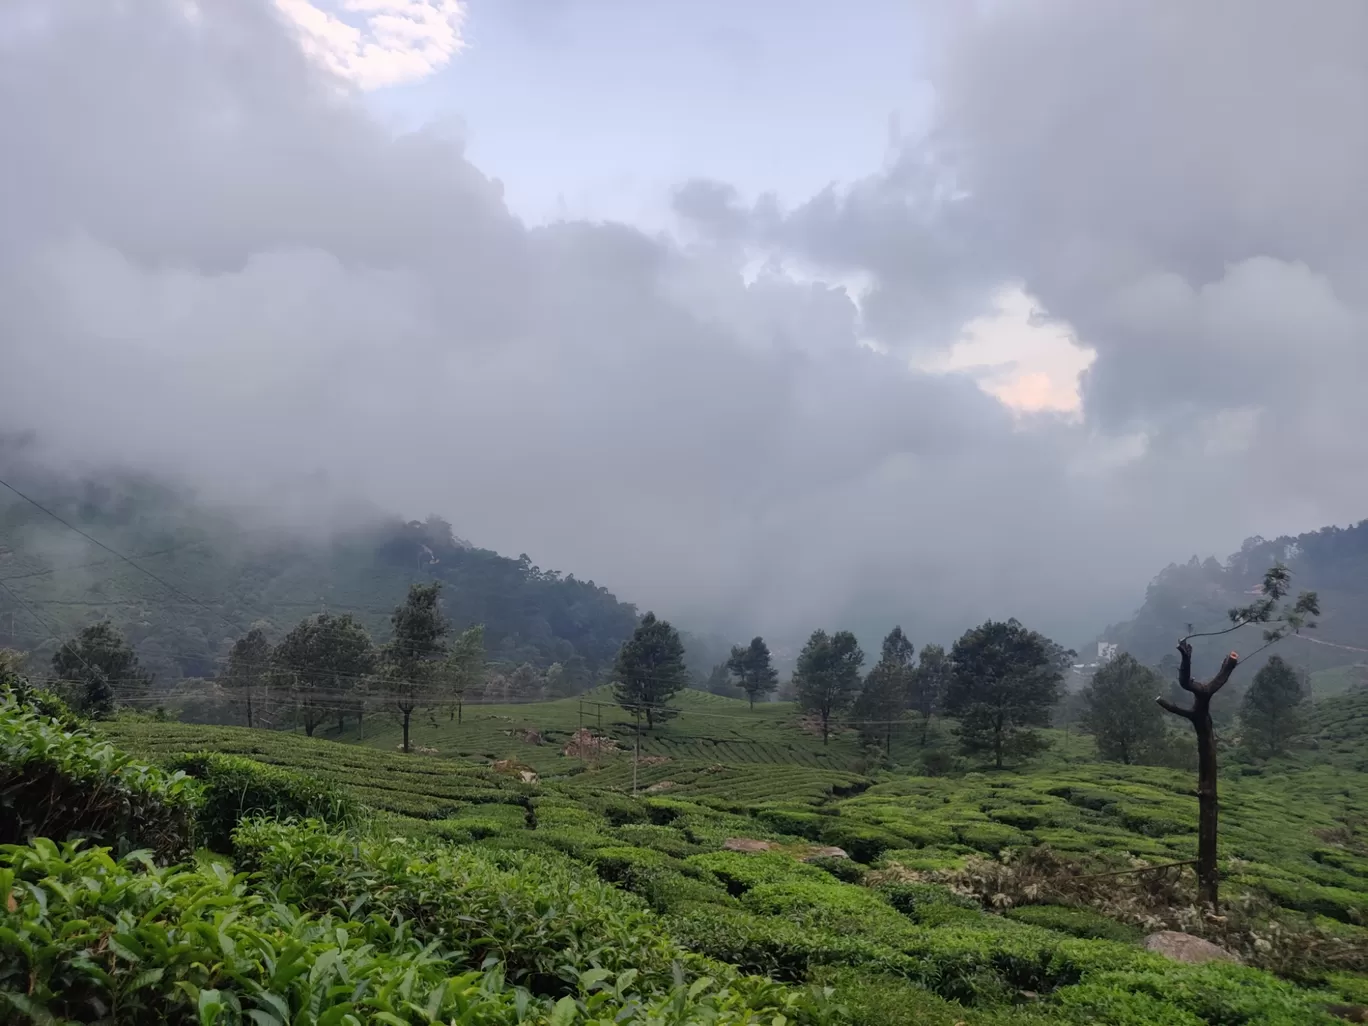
[(118, 555), (42, 623)]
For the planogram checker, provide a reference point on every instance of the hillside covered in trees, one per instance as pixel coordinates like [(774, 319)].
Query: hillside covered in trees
[(204, 577), (1332, 561)]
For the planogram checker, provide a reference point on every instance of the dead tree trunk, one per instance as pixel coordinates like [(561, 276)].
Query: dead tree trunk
[(1199, 716)]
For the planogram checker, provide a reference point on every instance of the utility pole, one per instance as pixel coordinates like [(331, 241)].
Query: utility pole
[(636, 753), (581, 714)]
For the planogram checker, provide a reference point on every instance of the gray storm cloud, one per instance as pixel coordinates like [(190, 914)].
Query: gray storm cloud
[(215, 263)]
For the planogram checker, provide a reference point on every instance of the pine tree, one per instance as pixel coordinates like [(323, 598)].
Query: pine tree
[(412, 655), (883, 702), (464, 667), (1271, 711), (827, 675), (247, 672), (928, 685), (650, 670), (753, 669), (1005, 679)]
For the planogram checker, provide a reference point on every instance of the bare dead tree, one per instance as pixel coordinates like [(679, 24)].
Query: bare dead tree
[(1279, 623)]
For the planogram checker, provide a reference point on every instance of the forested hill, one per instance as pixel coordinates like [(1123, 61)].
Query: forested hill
[(227, 577), (1332, 561)]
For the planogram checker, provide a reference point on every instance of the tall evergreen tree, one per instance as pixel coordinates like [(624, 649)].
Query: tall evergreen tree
[(883, 702), (928, 685), (101, 663), (464, 667), (1270, 713), (412, 655), (753, 669), (1005, 679), (827, 675), (324, 662), (650, 670), (1119, 710), (246, 675)]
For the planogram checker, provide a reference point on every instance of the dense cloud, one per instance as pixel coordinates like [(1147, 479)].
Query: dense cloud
[(213, 262)]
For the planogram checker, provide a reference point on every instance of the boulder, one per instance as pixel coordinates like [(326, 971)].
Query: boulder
[(1184, 947)]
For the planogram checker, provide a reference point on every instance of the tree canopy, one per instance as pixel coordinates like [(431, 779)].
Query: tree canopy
[(827, 675), (649, 670), (247, 671), (103, 666), (1119, 710), (753, 669), (325, 662), (411, 656), (464, 666), (1270, 713), (928, 684), (1005, 679), (883, 700)]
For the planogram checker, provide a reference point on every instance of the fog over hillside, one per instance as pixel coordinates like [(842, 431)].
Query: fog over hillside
[(219, 263)]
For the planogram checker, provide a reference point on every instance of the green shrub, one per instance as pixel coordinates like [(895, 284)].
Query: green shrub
[(771, 946), (66, 784), (84, 938), (661, 838), (89, 939), (861, 843), (930, 904), (880, 999), (1078, 922), (236, 788), (989, 837), (622, 864), (668, 891), (741, 871), (792, 822), (23, 695), (1221, 995), (536, 918), (844, 870)]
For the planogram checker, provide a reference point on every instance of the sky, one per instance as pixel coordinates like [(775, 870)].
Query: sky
[(769, 316)]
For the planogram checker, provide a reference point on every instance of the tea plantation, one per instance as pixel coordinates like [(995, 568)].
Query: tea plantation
[(491, 878)]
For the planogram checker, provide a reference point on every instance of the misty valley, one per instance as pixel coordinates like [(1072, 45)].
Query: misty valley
[(683, 513), (596, 816)]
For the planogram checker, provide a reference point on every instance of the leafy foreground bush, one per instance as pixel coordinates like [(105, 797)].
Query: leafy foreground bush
[(86, 938), (236, 788), (65, 784), (972, 968)]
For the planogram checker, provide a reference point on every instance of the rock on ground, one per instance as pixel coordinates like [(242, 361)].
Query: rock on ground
[(1184, 947)]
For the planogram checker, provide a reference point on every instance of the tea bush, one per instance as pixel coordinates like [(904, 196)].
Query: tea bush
[(1079, 922), (64, 784), (844, 870), (235, 788), (86, 938), (90, 939), (547, 920)]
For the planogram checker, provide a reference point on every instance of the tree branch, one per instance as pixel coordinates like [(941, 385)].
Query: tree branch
[(1177, 710), (1185, 666), (1217, 682), (1217, 634)]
